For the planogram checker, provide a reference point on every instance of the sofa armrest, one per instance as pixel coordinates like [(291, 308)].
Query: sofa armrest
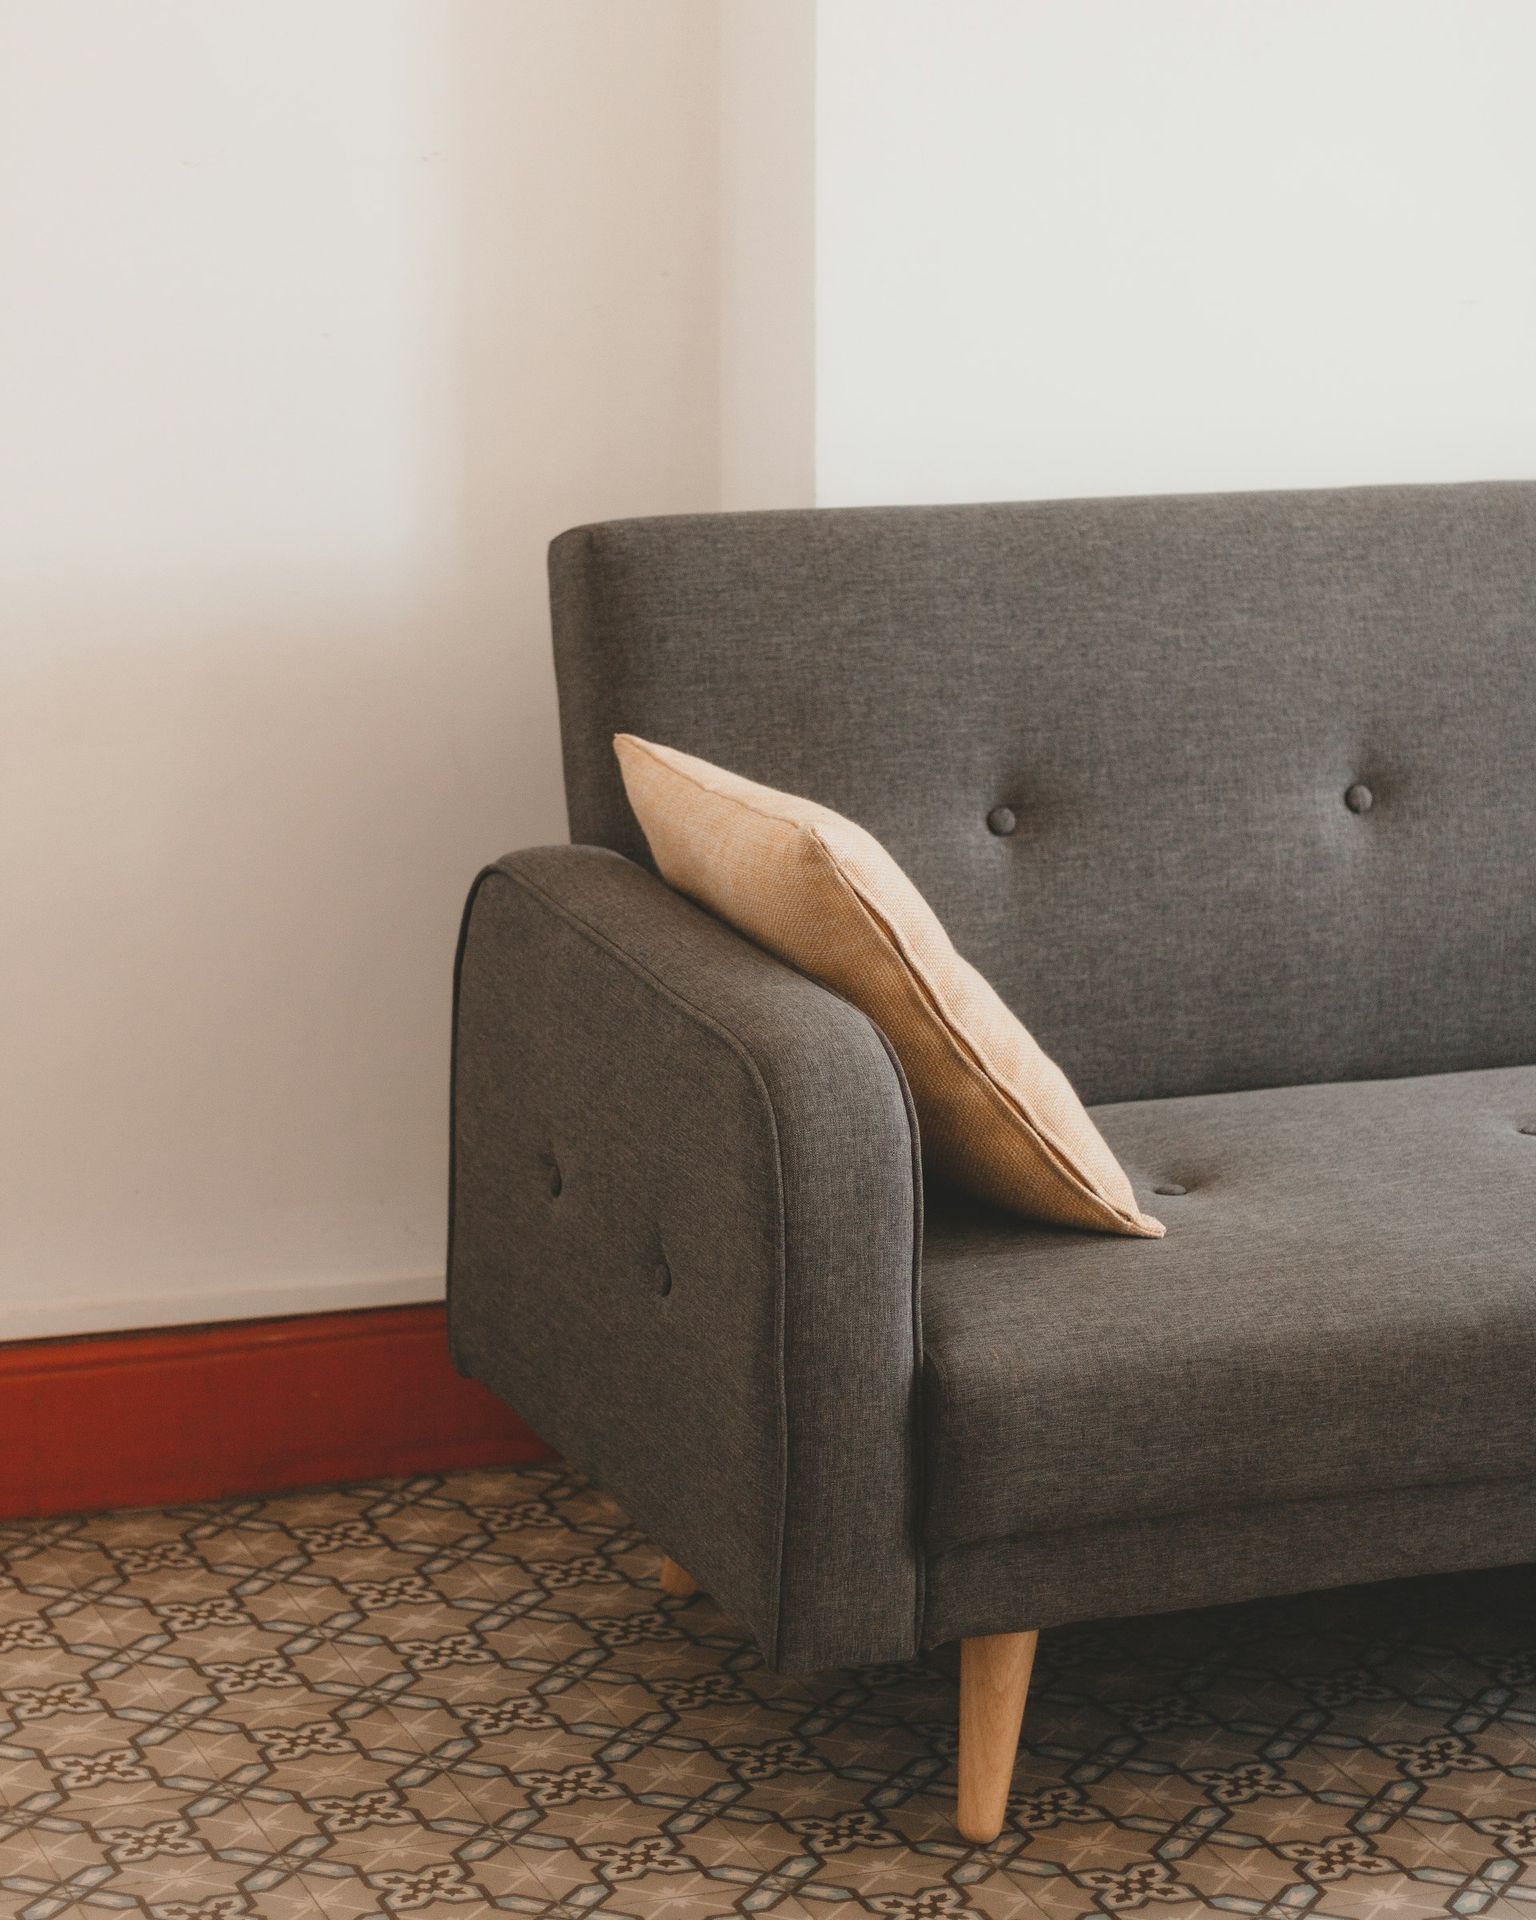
[(684, 1237)]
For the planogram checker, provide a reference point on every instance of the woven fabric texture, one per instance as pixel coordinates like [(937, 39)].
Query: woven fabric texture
[(684, 1238), (1172, 699), (998, 1118), (1345, 1304), (1228, 1554), (1230, 799)]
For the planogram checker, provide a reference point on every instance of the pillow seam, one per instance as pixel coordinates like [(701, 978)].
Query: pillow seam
[(1059, 1158)]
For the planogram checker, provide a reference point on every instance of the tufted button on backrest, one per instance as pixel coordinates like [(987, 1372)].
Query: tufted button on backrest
[(1179, 696)]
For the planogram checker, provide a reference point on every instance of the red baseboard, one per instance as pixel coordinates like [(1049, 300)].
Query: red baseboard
[(204, 1413)]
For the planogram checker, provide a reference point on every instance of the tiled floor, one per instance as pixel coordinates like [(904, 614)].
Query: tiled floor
[(421, 1696)]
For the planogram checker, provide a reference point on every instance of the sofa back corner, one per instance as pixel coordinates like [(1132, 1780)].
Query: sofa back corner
[(1219, 790)]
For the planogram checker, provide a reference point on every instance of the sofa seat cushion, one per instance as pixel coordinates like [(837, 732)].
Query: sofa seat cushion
[(1345, 1303)]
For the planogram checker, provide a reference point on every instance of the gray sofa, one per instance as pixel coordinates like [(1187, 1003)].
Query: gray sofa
[(1233, 798)]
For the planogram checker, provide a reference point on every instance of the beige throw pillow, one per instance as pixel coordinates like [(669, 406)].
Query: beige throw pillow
[(997, 1117)]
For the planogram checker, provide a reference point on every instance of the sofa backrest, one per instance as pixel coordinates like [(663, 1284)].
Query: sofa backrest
[(1270, 758)]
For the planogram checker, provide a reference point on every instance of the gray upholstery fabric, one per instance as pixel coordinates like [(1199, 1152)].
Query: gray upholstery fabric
[(1345, 1304), (1223, 793), (1173, 697), (684, 1242), (1205, 1559)]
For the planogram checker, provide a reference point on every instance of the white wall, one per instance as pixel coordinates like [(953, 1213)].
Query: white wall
[(1102, 246), (318, 322)]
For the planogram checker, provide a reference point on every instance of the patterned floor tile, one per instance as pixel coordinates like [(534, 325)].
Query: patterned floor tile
[(468, 1691)]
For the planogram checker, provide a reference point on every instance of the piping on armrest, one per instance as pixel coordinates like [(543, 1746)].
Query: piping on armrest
[(684, 1242)]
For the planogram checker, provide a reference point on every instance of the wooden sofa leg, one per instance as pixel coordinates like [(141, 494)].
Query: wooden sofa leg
[(674, 1580), (994, 1683)]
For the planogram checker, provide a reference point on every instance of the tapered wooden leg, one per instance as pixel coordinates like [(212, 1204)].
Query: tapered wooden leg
[(994, 1683), (674, 1580)]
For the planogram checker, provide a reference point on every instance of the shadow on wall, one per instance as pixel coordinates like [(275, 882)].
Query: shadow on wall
[(590, 341)]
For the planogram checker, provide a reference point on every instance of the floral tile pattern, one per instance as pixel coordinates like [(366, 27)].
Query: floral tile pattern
[(468, 1692)]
